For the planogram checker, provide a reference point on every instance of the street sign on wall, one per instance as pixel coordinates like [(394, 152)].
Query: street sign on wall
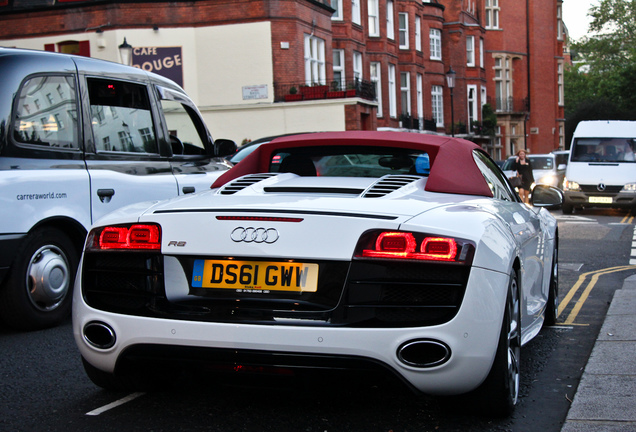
[(164, 61)]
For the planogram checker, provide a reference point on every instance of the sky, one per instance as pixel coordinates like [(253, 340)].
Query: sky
[(575, 16)]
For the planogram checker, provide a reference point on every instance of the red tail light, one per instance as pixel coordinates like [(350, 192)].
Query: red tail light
[(137, 236), (413, 246)]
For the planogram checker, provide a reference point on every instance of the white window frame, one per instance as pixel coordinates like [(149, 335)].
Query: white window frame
[(392, 92), (559, 22), (315, 69), (337, 15), (481, 52), (435, 36), (403, 29), (373, 11), (357, 66), (339, 67), (355, 12), (405, 93), (472, 111), (418, 34), (560, 91), (492, 14), (390, 20), (419, 88), (483, 96), (470, 51), (376, 78), (437, 105), (503, 83)]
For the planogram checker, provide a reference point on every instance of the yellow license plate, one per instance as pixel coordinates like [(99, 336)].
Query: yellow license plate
[(600, 200), (255, 276)]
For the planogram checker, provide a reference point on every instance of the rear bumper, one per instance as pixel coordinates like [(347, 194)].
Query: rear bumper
[(471, 337)]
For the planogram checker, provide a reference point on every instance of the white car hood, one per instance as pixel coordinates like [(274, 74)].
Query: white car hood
[(593, 173)]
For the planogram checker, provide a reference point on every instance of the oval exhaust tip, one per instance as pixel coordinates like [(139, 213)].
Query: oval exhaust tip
[(424, 353), (99, 335)]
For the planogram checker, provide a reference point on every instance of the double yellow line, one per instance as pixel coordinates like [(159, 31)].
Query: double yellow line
[(629, 218), (586, 292)]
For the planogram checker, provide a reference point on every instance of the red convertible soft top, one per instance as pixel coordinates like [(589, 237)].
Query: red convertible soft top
[(453, 168)]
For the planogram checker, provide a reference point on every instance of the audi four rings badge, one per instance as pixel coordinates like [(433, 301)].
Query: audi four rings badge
[(255, 235)]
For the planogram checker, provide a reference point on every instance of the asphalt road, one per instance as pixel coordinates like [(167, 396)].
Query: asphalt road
[(43, 386)]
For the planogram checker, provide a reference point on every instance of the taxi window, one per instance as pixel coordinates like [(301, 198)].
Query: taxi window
[(185, 133), (121, 117), (46, 113)]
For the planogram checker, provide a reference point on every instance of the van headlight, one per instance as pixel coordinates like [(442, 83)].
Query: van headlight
[(571, 186), (629, 187)]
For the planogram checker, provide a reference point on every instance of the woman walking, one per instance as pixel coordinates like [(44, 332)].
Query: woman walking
[(524, 169)]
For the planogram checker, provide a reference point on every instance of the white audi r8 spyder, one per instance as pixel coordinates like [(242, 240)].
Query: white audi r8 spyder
[(407, 253)]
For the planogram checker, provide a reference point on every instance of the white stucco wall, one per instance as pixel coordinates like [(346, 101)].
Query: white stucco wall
[(261, 120), (217, 63)]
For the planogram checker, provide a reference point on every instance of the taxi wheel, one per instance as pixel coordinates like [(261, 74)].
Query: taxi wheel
[(499, 393), (37, 292), (567, 208)]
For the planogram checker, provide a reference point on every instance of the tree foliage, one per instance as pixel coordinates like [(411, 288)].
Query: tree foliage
[(602, 83)]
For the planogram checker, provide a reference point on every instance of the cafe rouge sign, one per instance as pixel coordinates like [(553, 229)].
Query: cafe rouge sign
[(164, 61)]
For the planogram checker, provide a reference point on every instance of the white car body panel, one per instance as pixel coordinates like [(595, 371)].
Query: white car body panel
[(505, 235)]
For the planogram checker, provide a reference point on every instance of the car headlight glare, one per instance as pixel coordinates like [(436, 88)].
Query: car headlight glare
[(548, 179), (629, 187), (569, 185)]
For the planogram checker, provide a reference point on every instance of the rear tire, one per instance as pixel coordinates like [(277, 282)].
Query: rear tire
[(567, 208), (498, 394), (38, 290), (552, 307), (140, 381)]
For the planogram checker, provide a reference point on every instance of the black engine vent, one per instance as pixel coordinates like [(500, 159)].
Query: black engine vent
[(244, 182), (388, 184)]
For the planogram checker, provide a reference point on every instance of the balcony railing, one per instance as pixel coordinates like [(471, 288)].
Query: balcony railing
[(291, 92), (509, 105)]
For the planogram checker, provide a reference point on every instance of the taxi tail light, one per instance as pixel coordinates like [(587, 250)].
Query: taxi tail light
[(126, 237), (413, 246)]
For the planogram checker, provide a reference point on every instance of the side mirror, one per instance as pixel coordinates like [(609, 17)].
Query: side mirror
[(562, 167), (546, 196), (224, 147)]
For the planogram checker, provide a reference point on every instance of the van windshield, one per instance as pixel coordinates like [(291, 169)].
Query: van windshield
[(604, 150)]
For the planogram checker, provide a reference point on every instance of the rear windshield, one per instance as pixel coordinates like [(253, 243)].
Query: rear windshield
[(541, 162), (350, 161), (603, 150)]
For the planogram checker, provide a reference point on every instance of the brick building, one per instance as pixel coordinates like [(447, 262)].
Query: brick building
[(263, 67)]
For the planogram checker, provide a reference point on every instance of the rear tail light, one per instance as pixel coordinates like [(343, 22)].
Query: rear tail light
[(128, 237), (413, 246)]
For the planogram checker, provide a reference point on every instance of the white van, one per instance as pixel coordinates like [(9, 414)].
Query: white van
[(602, 167), (80, 138)]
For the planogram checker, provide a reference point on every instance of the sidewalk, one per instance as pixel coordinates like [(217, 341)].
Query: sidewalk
[(605, 400)]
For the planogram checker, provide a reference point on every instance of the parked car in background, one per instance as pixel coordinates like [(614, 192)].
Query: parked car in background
[(79, 138), (602, 167), (249, 147), (417, 260), (562, 158), (544, 169)]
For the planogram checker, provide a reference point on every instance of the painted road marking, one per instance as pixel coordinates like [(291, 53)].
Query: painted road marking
[(595, 275), (632, 260), (115, 404)]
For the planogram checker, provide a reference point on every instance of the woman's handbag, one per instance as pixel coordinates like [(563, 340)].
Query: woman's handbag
[(515, 181)]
